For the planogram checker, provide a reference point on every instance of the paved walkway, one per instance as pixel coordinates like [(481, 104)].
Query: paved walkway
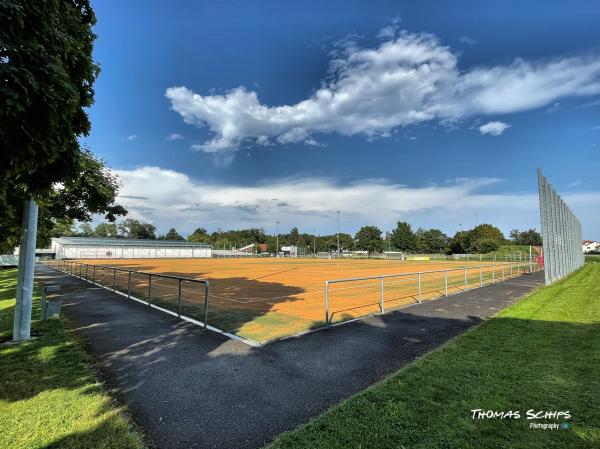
[(192, 388)]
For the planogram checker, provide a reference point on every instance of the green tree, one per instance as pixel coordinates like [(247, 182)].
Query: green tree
[(92, 191), (487, 231), (47, 73), (529, 237), (86, 230), (368, 238), (403, 237), (172, 234), (200, 236), (486, 245), (106, 230), (461, 242), (430, 241), (135, 229)]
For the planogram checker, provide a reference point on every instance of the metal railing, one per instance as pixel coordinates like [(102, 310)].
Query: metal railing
[(479, 276), (97, 275)]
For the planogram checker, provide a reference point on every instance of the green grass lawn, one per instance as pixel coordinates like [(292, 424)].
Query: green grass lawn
[(542, 353), (49, 397)]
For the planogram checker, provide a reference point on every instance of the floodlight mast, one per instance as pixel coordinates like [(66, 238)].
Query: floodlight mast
[(338, 233), (277, 239)]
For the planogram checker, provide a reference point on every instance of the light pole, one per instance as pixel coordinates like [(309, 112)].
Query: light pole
[(338, 233), (277, 238)]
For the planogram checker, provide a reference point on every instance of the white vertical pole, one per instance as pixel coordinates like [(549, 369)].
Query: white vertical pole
[(22, 319)]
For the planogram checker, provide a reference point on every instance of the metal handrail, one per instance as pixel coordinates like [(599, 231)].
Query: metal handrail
[(76, 269), (419, 274)]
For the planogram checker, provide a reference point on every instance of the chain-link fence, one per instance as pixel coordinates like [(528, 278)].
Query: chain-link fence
[(561, 234)]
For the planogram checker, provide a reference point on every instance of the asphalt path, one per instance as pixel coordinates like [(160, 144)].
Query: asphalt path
[(191, 388)]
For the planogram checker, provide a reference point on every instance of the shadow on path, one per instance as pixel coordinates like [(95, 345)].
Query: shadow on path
[(193, 388)]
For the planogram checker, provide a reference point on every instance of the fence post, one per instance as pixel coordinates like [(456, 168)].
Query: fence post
[(206, 305), (114, 279), (149, 288), (511, 271), (503, 272), (326, 303), (419, 277), (179, 297), (446, 282), (129, 286), (94, 274), (382, 298), (102, 279), (480, 277), (465, 278), (493, 274)]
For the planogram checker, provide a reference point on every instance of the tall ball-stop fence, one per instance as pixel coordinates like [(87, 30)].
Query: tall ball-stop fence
[(561, 233)]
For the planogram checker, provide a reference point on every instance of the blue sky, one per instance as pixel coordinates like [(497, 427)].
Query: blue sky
[(234, 114)]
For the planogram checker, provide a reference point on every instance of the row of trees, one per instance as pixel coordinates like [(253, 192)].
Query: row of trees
[(481, 239)]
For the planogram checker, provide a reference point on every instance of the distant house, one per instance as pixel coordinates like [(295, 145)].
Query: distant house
[(590, 245)]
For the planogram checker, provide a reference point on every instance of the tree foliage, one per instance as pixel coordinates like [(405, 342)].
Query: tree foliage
[(134, 229), (529, 237), (47, 73), (403, 237), (172, 234), (477, 240), (106, 230), (368, 238)]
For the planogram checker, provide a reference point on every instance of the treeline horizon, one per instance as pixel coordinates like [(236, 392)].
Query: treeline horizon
[(483, 238)]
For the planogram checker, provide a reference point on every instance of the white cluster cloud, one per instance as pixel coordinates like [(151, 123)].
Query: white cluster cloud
[(408, 79), (133, 137), (494, 128), (175, 136), (168, 198)]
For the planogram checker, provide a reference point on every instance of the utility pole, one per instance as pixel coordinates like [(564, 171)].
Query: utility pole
[(277, 238), (338, 233), (315, 241), (22, 320)]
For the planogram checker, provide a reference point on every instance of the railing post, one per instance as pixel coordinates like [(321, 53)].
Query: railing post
[(206, 305), (465, 278), (446, 282), (179, 297), (129, 285), (149, 288), (382, 298), (326, 303), (419, 278)]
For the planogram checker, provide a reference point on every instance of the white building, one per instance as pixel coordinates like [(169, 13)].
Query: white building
[(105, 248), (590, 245)]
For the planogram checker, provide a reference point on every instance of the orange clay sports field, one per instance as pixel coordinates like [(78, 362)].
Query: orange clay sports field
[(264, 299)]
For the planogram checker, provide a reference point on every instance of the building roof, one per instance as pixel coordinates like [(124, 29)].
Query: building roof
[(94, 241), (587, 242)]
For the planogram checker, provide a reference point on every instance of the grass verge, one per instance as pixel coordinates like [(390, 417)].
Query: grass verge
[(542, 354), (49, 397)]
